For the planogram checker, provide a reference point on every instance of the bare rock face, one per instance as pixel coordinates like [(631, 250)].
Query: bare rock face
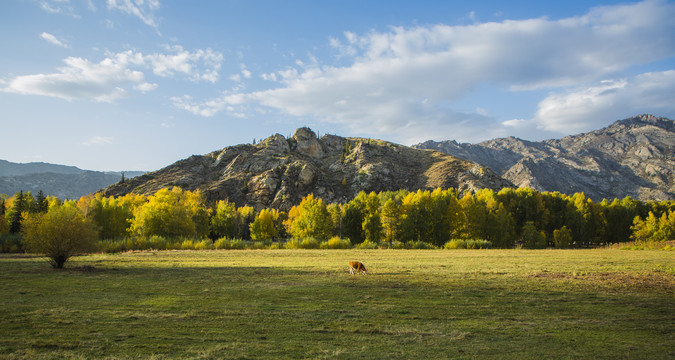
[(632, 157), (306, 143), (278, 172)]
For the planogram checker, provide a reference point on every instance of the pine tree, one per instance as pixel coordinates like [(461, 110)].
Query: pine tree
[(41, 204), (15, 214)]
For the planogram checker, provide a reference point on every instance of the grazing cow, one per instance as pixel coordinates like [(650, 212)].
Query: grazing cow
[(355, 265)]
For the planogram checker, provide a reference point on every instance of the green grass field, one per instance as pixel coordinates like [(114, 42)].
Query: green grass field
[(413, 304)]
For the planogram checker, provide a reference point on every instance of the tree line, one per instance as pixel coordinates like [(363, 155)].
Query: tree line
[(504, 219)]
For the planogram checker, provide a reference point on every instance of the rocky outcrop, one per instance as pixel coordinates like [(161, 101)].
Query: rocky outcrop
[(278, 172), (632, 157)]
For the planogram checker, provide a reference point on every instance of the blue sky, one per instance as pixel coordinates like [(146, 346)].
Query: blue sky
[(139, 84)]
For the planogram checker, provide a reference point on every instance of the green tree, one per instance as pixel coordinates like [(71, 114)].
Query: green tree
[(167, 213), (41, 203), (262, 228), (352, 219), (335, 212), (372, 223), (532, 238), (243, 219), (654, 228), (59, 234), (562, 238), (476, 217), (223, 220), (390, 220), (113, 215), (15, 214), (310, 219), (416, 220)]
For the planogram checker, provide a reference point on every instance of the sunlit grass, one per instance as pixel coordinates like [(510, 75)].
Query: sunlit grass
[(304, 304)]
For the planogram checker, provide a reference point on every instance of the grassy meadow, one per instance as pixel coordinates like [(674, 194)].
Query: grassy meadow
[(413, 304)]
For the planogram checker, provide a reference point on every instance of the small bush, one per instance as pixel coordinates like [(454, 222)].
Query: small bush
[(11, 243), (645, 245), (156, 242), (205, 244), (336, 243), (467, 244), (397, 245), (257, 245), (367, 245), (187, 245), (418, 245), (229, 244), (455, 244), (306, 243)]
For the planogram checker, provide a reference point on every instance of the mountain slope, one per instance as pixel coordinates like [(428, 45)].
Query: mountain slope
[(13, 169), (632, 157), (64, 182), (278, 172)]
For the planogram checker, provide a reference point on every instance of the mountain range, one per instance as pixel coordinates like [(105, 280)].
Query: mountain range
[(278, 172), (64, 182), (632, 157)]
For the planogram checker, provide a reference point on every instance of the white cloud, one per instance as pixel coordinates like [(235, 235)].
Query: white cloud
[(107, 80), (206, 109), (91, 6), (99, 140), (59, 7), (53, 40), (80, 78), (198, 65), (591, 107), (407, 80), (145, 87), (142, 9)]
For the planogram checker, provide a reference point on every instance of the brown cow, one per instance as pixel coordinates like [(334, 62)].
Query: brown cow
[(355, 265)]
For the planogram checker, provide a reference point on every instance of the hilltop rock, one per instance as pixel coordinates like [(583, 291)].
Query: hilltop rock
[(278, 172), (632, 157)]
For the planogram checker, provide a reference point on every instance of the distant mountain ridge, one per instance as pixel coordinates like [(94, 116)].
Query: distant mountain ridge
[(64, 182), (632, 157), (278, 172), (13, 169)]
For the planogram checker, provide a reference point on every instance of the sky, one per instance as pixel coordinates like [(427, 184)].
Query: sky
[(115, 85)]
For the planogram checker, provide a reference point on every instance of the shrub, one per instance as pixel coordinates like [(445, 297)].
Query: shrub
[(397, 245), (112, 246), (156, 242), (562, 238), (455, 244), (367, 245), (306, 243), (418, 245), (205, 244), (187, 245), (336, 243), (229, 244), (11, 243), (468, 244), (59, 234)]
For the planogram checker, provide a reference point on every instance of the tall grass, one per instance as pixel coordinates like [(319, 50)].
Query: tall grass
[(644, 245), (138, 243)]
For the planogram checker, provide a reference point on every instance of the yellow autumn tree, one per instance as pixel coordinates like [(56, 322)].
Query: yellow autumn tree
[(168, 213)]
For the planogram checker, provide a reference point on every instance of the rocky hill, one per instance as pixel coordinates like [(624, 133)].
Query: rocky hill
[(277, 172), (632, 157), (64, 182)]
